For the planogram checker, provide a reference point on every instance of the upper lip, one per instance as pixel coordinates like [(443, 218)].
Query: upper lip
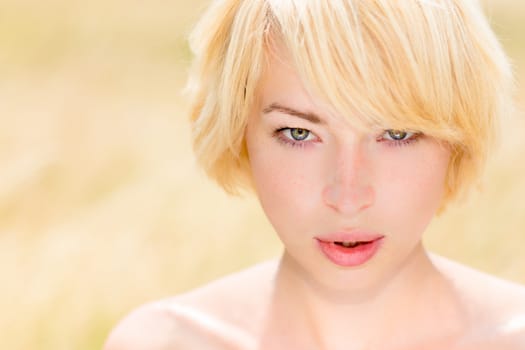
[(350, 236)]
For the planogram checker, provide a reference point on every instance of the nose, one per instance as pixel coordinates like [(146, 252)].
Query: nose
[(349, 188)]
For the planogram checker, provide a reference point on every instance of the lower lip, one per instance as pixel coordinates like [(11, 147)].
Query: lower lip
[(347, 257)]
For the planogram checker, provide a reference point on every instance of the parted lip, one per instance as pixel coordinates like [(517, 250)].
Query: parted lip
[(349, 236)]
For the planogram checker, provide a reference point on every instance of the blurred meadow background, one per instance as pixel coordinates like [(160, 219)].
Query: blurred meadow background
[(102, 207)]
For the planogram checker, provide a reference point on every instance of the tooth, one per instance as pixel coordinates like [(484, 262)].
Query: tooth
[(349, 244)]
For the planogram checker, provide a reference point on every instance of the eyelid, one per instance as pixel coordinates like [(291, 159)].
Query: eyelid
[(288, 140), (410, 134), (413, 137), (288, 131)]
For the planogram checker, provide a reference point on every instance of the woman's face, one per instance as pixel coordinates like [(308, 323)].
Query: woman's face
[(349, 205)]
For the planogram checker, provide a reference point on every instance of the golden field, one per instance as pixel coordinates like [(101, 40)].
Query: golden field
[(102, 207)]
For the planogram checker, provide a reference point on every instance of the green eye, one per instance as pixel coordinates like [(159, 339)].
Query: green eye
[(397, 135), (299, 134)]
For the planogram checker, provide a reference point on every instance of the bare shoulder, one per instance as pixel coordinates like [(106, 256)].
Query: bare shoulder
[(150, 326), (231, 298), (495, 307), (210, 317)]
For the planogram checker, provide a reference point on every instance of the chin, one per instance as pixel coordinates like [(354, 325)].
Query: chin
[(323, 276)]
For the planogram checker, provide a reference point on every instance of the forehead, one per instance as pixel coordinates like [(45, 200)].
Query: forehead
[(283, 84), (280, 80)]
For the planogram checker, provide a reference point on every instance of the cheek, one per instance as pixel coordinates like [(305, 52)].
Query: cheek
[(285, 184), (414, 190)]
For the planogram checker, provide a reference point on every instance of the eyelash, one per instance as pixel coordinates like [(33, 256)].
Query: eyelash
[(399, 143), (278, 134)]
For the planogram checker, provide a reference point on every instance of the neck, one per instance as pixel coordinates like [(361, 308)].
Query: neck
[(411, 300)]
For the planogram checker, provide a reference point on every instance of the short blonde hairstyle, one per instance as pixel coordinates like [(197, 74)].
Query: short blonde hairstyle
[(433, 66)]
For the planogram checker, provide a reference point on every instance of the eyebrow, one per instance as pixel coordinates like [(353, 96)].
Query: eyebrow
[(311, 117)]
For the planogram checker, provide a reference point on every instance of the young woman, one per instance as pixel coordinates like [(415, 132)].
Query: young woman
[(354, 122)]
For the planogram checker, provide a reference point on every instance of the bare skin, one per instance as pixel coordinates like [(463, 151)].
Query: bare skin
[(316, 174), (463, 309)]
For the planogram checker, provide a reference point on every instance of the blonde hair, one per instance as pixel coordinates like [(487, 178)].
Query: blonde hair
[(433, 66)]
